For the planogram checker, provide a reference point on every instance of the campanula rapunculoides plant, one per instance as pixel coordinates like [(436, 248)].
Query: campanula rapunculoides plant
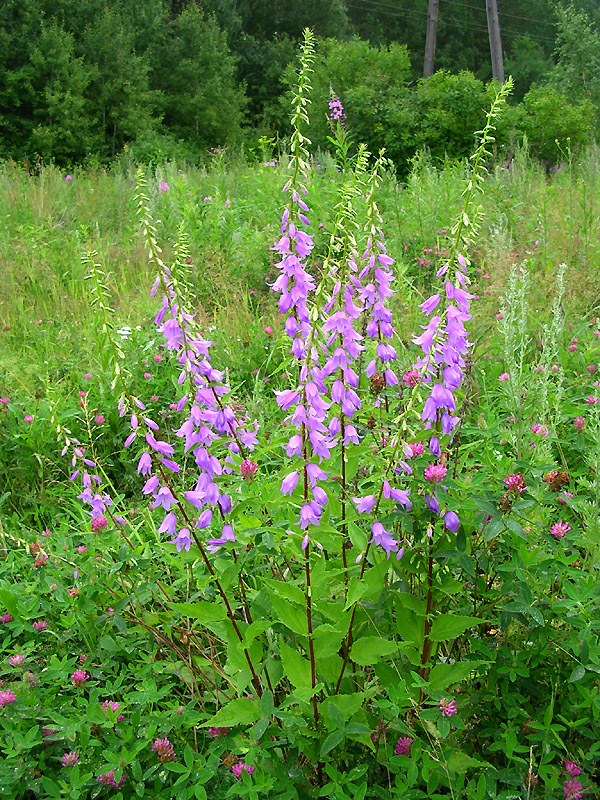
[(302, 652)]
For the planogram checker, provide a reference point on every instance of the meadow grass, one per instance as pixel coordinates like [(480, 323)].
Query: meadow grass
[(528, 593), (48, 222)]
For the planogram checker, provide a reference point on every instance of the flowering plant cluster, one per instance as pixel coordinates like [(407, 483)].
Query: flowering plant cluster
[(344, 391), (328, 601)]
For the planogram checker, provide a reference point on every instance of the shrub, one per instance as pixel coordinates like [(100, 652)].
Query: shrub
[(449, 108), (551, 116)]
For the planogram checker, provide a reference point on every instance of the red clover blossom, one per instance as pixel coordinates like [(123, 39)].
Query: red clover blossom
[(69, 759), (573, 789), (79, 677), (515, 483), (216, 733), (559, 529), (448, 707), (108, 779), (240, 767), (164, 750), (404, 746), (6, 697)]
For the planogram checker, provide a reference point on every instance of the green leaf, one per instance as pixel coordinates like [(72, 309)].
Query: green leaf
[(327, 640), (258, 730), (348, 704), (202, 611), (357, 536), (175, 766), (536, 615), (333, 714), (287, 591), (460, 762), (411, 628), (332, 741), (370, 649), (449, 626), (295, 667), (266, 704), (489, 508), (255, 629), (521, 607), (241, 711), (443, 727), (292, 616), (517, 529), (414, 604), (11, 603), (444, 675), (52, 788), (577, 674), (493, 529), (481, 787), (356, 590)]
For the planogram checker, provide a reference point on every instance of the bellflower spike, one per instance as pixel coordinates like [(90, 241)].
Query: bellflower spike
[(429, 305), (204, 519), (169, 524)]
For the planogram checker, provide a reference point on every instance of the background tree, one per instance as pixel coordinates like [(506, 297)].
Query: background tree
[(577, 72), (201, 99), (58, 82), (124, 104)]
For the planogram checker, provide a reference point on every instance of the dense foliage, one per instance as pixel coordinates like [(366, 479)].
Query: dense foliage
[(81, 81), (340, 543)]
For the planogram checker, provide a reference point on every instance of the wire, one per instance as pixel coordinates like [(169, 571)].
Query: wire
[(378, 7), (500, 12)]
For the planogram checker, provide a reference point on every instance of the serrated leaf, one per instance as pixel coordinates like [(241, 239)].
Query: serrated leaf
[(241, 711), (292, 616), (202, 611), (444, 675), (254, 630), (333, 714), (295, 667), (370, 649), (286, 591), (460, 762), (449, 626)]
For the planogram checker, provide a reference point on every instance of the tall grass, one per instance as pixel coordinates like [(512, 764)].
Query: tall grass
[(45, 316)]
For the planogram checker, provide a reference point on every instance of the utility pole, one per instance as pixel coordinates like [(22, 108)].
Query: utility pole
[(491, 8), (432, 18)]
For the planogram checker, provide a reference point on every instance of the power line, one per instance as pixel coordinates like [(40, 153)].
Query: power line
[(501, 13), (377, 7)]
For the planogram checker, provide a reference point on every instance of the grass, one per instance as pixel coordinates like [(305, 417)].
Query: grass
[(529, 590), (47, 325)]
